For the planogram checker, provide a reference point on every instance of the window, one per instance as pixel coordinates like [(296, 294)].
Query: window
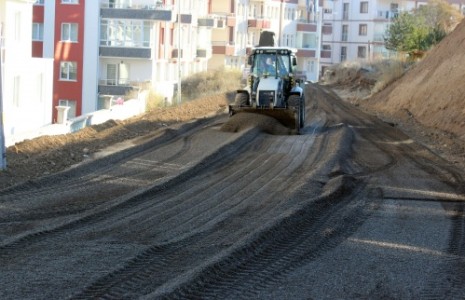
[(68, 70), (39, 2), (72, 107), (118, 74), (362, 52), (345, 30), (362, 29), (127, 33), (37, 31), (69, 32), (364, 7), (325, 51), (345, 11), (70, 1), (343, 53)]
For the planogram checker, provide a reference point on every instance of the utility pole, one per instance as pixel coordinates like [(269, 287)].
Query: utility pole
[(179, 52), (2, 134)]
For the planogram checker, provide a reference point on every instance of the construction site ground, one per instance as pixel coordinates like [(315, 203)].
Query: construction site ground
[(188, 203)]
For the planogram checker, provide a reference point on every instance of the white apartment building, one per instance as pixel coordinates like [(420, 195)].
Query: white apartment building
[(27, 81), (143, 44), (294, 22), (324, 32), (357, 28)]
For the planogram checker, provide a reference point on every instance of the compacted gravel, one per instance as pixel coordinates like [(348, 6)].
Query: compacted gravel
[(233, 208)]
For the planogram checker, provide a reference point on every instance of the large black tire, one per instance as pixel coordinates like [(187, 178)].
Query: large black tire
[(241, 99), (302, 112), (295, 101)]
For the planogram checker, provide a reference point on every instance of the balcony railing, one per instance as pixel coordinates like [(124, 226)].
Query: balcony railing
[(259, 23), (306, 27), (325, 53), (305, 21), (386, 15), (120, 86), (221, 47), (114, 81), (126, 4), (126, 10)]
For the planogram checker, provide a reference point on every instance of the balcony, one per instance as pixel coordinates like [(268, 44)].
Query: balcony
[(136, 12), (114, 87), (203, 53), (185, 19), (206, 22), (127, 52), (386, 15), (307, 27), (325, 54), (306, 53), (259, 23), (327, 29), (224, 48), (231, 20)]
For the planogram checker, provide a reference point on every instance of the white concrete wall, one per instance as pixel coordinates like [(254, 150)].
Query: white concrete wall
[(27, 81), (91, 57), (49, 29)]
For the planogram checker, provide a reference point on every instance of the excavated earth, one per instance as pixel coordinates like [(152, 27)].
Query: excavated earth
[(236, 208)]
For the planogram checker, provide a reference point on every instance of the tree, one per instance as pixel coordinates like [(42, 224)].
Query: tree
[(422, 28)]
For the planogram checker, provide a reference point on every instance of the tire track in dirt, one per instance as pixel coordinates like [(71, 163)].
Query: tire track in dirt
[(105, 284), (61, 211), (91, 178), (449, 279), (237, 222)]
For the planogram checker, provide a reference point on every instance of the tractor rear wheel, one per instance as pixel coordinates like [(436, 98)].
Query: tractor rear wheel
[(296, 102), (241, 99)]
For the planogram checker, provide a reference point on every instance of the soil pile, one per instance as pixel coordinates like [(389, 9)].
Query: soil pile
[(264, 123), (433, 91)]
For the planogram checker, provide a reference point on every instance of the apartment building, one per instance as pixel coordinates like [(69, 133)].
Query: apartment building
[(108, 49), (357, 28), (294, 22), (26, 81)]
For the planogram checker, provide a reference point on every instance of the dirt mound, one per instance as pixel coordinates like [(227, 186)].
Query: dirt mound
[(245, 120), (48, 154), (433, 91)]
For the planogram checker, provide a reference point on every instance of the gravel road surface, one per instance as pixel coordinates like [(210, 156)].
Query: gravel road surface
[(350, 209)]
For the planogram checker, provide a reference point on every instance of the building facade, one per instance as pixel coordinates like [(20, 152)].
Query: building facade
[(356, 29), (111, 49), (26, 81)]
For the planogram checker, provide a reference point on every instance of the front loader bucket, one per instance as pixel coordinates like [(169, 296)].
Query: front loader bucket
[(289, 117)]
